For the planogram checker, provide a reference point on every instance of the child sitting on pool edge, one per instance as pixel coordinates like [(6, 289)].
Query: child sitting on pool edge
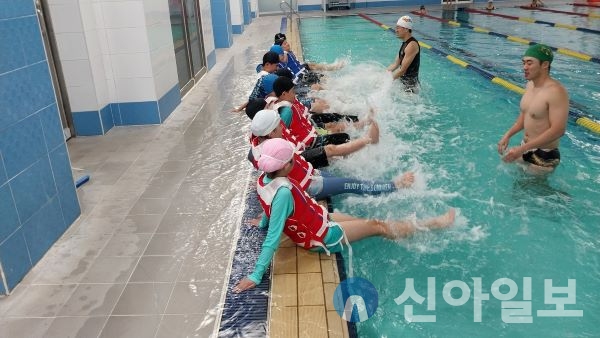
[(289, 210)]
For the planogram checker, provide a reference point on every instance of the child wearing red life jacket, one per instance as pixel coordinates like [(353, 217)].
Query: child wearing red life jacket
[(290, 210), (317, 183)]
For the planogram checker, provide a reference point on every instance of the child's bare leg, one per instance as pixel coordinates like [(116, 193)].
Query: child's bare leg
[(361, 228), (347, 148), (341, 217), (405, 228), (336, 127), (373, 133), (319, 106), (342, 126), (404, 181), (316, 87)]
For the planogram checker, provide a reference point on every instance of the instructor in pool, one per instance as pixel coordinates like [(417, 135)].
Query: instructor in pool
[(544, 112), (406, 64)]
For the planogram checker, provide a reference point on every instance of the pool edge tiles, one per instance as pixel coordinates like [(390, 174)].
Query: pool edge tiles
[(302, 288), (296, 305)]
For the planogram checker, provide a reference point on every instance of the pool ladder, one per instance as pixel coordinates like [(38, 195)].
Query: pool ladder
[(288, 10)]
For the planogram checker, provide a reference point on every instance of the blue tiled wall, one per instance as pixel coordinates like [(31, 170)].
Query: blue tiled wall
[(246, 10), (211, 59), (237, 29), (94, 122), (37, 194), (114, 110), (221, 22), (107, 118), (139, 112), (169, 102), (87, 123)]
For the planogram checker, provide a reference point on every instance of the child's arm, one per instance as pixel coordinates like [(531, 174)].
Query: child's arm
[(281, 208)]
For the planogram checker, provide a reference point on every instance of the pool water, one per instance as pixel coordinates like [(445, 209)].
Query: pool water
[(510, 224)]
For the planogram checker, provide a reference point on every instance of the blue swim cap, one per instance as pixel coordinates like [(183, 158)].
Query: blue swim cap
[(277, 49), (267, 82)]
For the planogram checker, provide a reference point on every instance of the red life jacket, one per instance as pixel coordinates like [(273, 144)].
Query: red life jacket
[(308, 223), (300, 126), (301, 172)]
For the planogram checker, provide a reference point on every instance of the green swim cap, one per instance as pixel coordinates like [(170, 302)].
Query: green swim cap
[(540, 52)]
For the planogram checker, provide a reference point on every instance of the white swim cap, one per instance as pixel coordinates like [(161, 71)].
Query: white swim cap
[(405, 21), (264, 122)]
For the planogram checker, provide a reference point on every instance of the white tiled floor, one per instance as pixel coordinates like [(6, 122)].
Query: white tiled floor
[(149, 255)]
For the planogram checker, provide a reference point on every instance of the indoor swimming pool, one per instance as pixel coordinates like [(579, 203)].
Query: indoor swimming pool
[(510, 225)]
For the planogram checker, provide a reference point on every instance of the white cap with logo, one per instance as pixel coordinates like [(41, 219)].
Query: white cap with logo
[(405, 22)]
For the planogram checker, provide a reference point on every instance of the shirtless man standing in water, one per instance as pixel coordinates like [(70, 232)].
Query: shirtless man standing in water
[(544, 113)]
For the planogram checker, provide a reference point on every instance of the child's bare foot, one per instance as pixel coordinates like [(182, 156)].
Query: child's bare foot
[(373, 133), (441, 221), (404, 181)]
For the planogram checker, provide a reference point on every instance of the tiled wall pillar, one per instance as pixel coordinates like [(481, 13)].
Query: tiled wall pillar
[(78, 65), (162, 56), (208, 33), (37, 194), (221, 21), (118, 61), (247, 12), (237, 16), (253, 8)]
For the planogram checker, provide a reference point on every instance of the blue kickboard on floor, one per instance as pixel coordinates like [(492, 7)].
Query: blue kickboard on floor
[(245, 314), (82, 180)]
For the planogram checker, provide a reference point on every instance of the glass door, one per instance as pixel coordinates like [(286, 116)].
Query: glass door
[(187, 41)]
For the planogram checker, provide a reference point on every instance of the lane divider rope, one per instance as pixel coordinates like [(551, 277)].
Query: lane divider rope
[(590, 15), (580, 118), (513, 38), (530, 20)]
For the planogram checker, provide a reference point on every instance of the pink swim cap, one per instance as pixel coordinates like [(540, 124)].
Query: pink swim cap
[(275, 153)]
